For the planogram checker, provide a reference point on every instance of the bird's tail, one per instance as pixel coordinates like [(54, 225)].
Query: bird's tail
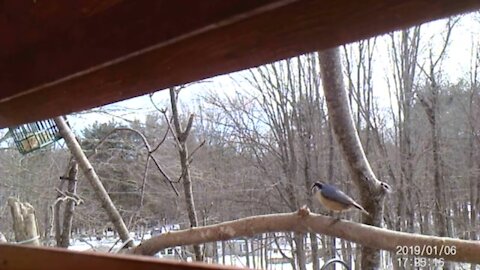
[(359, 207)]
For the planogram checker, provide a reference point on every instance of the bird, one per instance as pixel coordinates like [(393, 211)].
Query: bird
[(334, 199)]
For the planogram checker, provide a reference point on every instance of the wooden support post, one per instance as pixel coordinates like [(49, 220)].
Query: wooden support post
[(24, 222)]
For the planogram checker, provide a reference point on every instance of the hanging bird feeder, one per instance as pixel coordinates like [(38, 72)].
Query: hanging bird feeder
[(36, 135)]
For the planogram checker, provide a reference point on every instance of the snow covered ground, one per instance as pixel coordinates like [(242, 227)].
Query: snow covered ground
[(111, 244)]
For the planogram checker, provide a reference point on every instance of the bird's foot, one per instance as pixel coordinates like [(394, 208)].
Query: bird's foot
[(337, 219)]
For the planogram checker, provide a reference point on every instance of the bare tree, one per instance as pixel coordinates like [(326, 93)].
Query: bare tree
[(63, 229), (94, 181), (372, 191), (431, 106), (180, 135), (280, 125), (473, 143)]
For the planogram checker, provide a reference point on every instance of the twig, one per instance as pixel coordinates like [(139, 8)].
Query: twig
[(175, 137), (86, 242), (147, 147), (190, 158), (168, 179), (68, 196), (150, 96), (145, 173), (160, 143), (114, 244), (184, 134)]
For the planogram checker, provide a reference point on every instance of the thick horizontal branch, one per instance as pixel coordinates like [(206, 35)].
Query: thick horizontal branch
[(303, 221)]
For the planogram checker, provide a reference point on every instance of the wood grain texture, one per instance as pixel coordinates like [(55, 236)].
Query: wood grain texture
[(57, 77), (15, 257), (48, 40), (304, 221)]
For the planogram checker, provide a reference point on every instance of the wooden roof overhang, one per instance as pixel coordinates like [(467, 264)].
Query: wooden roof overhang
[(39, 258), (58, 57)]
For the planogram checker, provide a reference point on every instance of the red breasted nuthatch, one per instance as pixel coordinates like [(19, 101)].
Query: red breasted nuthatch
[(334, 199)]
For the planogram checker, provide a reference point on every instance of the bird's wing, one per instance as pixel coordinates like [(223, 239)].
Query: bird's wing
[(335, 194), (359, 207)]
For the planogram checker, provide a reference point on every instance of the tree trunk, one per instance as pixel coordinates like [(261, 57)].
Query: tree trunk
[(47, 221), (314, 244), (372, 191), (300, 250), (94, 181), (262, 257), (406, 76), (247, 253), (254, 250), (265, 250), (62, 232), (331, 149), (181, 138), (223, 252), (431, 110), (187, 188)]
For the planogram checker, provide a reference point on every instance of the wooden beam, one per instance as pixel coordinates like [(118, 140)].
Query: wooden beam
[(16, 257), (279, 32), (77, 35)]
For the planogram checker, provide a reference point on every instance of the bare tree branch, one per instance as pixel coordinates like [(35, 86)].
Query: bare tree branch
[(174, 98), (190, 160), (190, 157), (144, 181), (174, 133), (186, 132), (160, 142), (147, 147)]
